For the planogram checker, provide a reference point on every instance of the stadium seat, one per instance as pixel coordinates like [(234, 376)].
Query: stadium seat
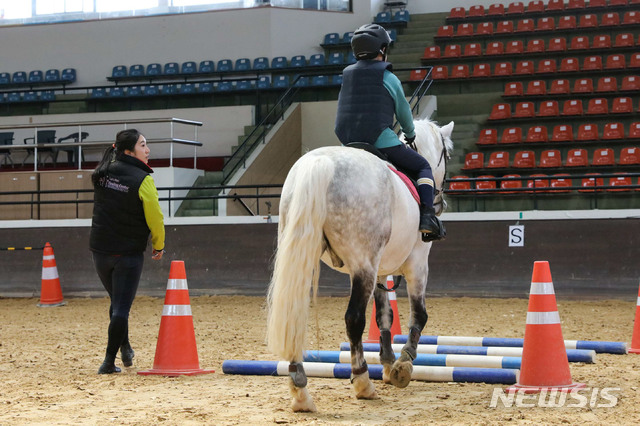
[(31, 96), (418, 75), (298, 61), (602, 41), (346, 37), (19, 77), (525, 26), (431, 52), (472, 49), (440, 72), (279, 62), (35, 76), (502, 69), (473, 160), (452, 51), (382, 18), (188, 67), (133, 91), (567, 22), (460, 71), (331, 39), (98, 92), (119, 71), (592, 63), (615, 62), (546, 66), (577, 157), (524, 67), (302, 81), (455, 185), (634, 62), (557, 44), (14, 97), (264, 82), (498, 160), (561, 180), (548, 109), (457, 13), (494, 48), (351, 58), (562, 133), (317, 60), (495, 9), (476, 11), (524, 160), (597, 4), (575, 4), (579, 43), (620, 2), (588, 132), (260, 63), (572, 107), (68, 75), (583, 85), (538, 182), (486, 184), (622, 105), (629, 156), (613, 131), (401, 16), (500, 112), (588, 21), (464, 30), (603, 157), (280, 82), (537, 134), (242, 64), (607, 84), (546, 23), (445, 31), (550, 158), (569, 65), (535, 6), (597, 106), (504, 27), (484, 28), (511, 135), (511, 184), (624, 40), (611, 19), (169, 89), (336, 80), (319, 81), (634, 130), (536, 87), (206, 67), (151, 90), (50, 95), (481, 70), (515, 8), (535, 46), (187, 88), (559, 87), (513, 89), (154, 69), (631, 18), (490, 137), (53, 75), (524, 109), (591, 182), (619, 182)]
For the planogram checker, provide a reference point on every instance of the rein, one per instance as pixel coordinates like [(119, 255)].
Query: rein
[(443, 156)]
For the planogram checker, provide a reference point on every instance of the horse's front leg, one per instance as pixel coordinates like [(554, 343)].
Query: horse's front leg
[(355, 319), (384, 319)]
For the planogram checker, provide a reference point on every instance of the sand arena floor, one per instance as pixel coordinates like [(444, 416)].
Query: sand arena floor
[(49, 358)]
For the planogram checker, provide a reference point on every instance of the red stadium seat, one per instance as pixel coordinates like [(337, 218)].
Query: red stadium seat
[(511, 135), (486, 184), (592, 63), (607, 84), (502, 68), (476, 10), (591, 182), (613, 131), (588, 21), (577, 157), (561, 180), (524, 160), (631, 18), (440, 72), (602, 41), (504, 27), (464, 30), (524, 67), (537, 134), (546, 24), (569, 65), (485, 28), (587, 132), (488, 137), (603, 157), (418, 75), (498, 160), (494, 48), (536, 87), (513, 89), (579, 43), (445, 31), (431, 52), (535, 46), (525, 109), (500, 112), (455, 186), (460, 71), (615, 62), (555, 5), (619, 2), (559, 87), (622, 105), (597, 106), (515, 8), (481, 70), (611, 19), (472, 49), (619, 182), (624, 40), (457, 13), (634, 62), (548, 109), (567, 22), (576, 4), (535, 6), (473, 160), (557, 44), (525, 26), (452, 51), (629, 155), (634, 130), (597, 4), (546, 66), (572, 107), (550, 158), (538, 182), (583, 85), (496, 9), (562, 133), (511, 184), (514, 47)]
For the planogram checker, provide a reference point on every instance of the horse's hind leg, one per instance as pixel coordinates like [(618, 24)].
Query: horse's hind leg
[(355, 319), (302, 400), (384, 319)]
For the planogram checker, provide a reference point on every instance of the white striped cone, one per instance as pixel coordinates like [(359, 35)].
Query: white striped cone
[(50, 291), (635, 340), (374, 331)]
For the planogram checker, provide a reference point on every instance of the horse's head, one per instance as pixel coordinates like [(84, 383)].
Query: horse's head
[(434, 143)]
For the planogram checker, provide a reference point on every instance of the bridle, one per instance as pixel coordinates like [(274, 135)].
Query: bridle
[(443, 157)]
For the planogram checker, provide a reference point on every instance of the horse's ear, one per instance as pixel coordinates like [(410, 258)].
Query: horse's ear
[(446, 131)]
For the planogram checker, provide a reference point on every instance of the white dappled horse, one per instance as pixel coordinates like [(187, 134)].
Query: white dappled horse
[(346, 207)]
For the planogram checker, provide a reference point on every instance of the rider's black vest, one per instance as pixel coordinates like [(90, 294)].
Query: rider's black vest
[(365, 106), (119, 225)]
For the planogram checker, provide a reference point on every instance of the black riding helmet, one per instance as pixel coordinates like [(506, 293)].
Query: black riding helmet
[(369, 40)]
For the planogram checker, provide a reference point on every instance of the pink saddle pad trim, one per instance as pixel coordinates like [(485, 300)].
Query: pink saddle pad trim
[(408, 183)]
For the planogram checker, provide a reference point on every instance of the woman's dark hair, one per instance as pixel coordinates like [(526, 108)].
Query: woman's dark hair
[(125, 139)]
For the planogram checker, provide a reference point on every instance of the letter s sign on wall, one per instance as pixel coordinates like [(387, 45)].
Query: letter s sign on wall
[(516, 236)]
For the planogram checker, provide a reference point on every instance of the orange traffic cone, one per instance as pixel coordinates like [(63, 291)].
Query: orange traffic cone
[(176, 351), (374, 331), (50, 292), (635, 341), (545, 366)]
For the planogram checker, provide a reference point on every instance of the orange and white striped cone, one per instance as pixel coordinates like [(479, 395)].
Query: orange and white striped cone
[(176, 351), (545, 366), (50, 290), (374, 331), (635, 341)]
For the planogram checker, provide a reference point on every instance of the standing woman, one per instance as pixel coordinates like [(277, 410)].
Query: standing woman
[(126, 210)]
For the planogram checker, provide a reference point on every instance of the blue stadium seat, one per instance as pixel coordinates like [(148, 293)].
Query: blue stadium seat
[(206, 67), (331, 39), (319, 80), (264, 82), (243, 64), (302, 82), (14, 97), (68, 75), (346, 37), (3, 98), (298, 61), (279, 62), (136, 71), (401, 16), (53, 76), (116, 92), (134, 91), (98, 92), (187, 88), (225, 65), (224, 86), (171, 68), (336, 80), (261, 63), (119, 71), (151, 90), (382, 18), (245, 85), (281, 82), (169, 89), (19, 77), (154, 69), (36, 76), (30, 97), (351, 58), (5, 78), (205, 87), (188, 67), (317, 60), (48, 95), (336, 58), (393, 35)]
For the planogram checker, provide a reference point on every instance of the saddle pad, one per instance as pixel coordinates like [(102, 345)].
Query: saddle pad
[(408, 183)]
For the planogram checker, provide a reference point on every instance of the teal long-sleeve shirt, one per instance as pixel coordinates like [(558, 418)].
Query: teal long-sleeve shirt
[(388, 137)]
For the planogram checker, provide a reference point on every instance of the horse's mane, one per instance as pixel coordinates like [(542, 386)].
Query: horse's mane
[(425, 130)]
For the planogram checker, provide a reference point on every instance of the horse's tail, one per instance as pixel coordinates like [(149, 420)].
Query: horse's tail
[(303, 210)]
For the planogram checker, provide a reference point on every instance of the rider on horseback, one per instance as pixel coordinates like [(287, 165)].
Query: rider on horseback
[(369, 98)]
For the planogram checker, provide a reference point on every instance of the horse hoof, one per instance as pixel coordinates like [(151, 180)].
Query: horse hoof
[(386, 374), (401, 374), (364, 387), (368, 393), (302, 401)]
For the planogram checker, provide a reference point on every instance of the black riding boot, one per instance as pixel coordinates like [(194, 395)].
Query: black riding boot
[(109, 365), (126, 354), (430, 226)]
